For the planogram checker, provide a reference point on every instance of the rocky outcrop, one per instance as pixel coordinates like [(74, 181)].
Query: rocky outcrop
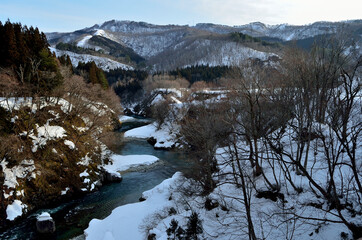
[(110, 177), (152, 141), (45, 223)]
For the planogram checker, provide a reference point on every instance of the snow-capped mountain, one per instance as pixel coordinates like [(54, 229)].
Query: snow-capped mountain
[(284, 32), (165, 47), (134, 27)]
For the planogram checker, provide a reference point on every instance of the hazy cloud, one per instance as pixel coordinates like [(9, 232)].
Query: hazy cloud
[(69, 15)]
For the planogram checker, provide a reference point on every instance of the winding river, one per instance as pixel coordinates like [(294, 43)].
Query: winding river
[(73, 217)]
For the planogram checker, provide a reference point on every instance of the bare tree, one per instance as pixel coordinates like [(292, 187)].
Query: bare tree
[(327, 112), (202, 131)]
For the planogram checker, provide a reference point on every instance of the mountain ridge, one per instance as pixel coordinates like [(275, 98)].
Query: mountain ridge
[(163, 46)]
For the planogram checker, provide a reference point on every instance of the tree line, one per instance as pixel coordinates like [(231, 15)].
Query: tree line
[(201, 73), (25, 51)]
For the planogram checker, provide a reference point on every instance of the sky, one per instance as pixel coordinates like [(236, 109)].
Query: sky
[(70, 15)]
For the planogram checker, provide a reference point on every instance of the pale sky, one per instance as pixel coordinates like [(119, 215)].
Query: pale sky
[(70, 15)]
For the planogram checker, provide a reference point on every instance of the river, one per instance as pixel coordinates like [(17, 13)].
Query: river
[(73, 217)]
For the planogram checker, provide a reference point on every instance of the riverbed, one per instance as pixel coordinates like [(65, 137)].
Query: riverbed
[(73, 217)]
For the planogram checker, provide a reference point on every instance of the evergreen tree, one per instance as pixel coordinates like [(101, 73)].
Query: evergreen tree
[(68, 61), (62, 60), (171, 231), (11, 53), (93, 73), (194, 227), (175, 232), (102, 80), (47, 61), (2, 43), (23, 50)]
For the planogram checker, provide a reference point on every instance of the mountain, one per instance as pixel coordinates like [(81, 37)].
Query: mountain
[(285, 32), (166, 47)]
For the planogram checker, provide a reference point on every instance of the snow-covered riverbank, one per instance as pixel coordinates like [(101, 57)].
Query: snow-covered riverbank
[(163, 138)]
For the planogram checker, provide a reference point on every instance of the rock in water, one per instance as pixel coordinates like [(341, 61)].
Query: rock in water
[(45, 223), (152, 141), (113, 177)]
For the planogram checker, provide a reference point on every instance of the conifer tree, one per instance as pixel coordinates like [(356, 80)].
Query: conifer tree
[(194, 226), (2, 43), (11, 53), (93, 73), (23, 50), (68, 61), (102, 80)]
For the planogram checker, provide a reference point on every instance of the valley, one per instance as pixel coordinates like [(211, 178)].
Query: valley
[(132, 130)]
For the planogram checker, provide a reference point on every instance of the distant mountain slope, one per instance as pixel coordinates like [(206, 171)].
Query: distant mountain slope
[(206, 51), (164, 47), (105, 63), (285, 32)]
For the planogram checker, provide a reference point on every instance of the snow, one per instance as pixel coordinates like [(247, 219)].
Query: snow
[(84, 174), (123, 163), (25, 168), (46, 133), (84, 41), (175, 100), (102, 62), (44, 217), (70, 144), (177, 92), (163, 136), (65, 191), (51, 132), (15, 210), (101, 32), (84, 160), (141, 132), (125, 118), (124, 221), (11, 104), (272, 220), (281, 31), (158, 99)]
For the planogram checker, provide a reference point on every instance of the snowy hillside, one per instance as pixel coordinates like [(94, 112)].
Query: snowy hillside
[(284, 32), (105, 63), (206, 52), (50, 148), (149, 45), (171, 46), (294, 210), (134, 27)]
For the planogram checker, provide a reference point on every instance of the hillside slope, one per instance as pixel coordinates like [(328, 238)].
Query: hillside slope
[(167, 47)]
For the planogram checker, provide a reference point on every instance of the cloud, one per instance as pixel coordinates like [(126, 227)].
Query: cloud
[(236, 12), (233, 12), (308, 11), (69, 15)]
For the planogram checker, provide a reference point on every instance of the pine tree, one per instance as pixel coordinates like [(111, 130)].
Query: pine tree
[(22, 49), (62, 60), (102, 80), (93, 73), (68, 61), (2, 43), (175, 232), (48, 62), (11, 53), (171, 231), (194, 227)]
